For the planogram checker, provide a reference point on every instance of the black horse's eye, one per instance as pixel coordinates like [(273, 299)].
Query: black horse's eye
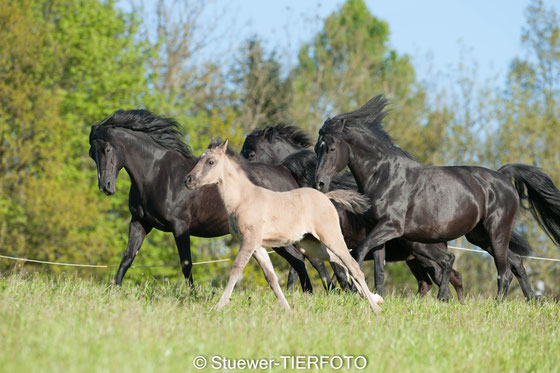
[(251, 155), (332, 149)]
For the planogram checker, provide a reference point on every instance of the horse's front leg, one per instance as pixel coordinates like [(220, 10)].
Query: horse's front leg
[(136, 234), (248, 247), (383, 231), (297, 265), (183, 242)]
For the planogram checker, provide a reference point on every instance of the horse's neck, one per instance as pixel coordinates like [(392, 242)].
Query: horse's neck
[(142, 158), (370, 164), (234, 187), (284, 149)]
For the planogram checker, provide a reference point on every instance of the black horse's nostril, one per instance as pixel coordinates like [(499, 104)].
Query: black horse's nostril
[(320, 185), (188, 180)]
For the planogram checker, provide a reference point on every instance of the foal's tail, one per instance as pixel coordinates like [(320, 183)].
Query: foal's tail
[(350, 200), (537, 188)]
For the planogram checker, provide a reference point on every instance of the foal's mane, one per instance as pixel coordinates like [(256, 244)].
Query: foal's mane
[(164, 131), (238, 159), (367, 120), (292, 134)]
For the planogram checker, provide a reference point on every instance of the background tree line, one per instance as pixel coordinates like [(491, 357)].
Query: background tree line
[(64, 65)]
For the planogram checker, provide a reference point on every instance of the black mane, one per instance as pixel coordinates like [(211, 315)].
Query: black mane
[(164, 131), (294, 135), (366, 120)]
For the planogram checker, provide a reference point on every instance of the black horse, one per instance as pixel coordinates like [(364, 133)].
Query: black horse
[(288, 145), (151, 150), (435, 204)]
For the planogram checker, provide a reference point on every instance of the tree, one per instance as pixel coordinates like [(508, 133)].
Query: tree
[(348, 63), (66, 65)]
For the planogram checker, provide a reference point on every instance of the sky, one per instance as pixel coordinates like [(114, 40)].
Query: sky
[(437, 33)]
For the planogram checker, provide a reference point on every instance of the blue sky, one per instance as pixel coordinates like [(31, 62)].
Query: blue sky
[(431, 30)]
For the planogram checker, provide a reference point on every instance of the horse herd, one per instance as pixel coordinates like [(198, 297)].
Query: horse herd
[(389, 207)]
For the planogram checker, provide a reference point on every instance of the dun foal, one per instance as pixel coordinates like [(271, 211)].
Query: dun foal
[(260, 217)]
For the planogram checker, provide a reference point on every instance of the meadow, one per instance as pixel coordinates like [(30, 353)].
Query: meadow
[(67, 323)]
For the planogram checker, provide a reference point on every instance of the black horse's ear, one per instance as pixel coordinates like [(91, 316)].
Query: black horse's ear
[(343, 124), (269, 133)]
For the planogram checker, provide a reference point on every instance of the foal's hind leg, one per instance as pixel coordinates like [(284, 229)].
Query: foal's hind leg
[(264, 261), (339, 254)]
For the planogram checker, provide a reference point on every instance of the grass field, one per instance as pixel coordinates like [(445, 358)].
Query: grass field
[(67, 324)]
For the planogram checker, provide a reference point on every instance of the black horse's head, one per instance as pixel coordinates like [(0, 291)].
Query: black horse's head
[(272, 144), (108, 158), (112, 141), (332, 156), (333, 151)]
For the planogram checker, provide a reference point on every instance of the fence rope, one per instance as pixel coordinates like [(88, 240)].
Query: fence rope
[(112, 266), (215, 261), (485, 252)]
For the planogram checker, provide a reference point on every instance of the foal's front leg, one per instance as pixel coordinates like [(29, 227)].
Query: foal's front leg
[(248, 247)]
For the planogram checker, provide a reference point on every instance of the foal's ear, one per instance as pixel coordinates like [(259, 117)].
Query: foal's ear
[(224, 145)]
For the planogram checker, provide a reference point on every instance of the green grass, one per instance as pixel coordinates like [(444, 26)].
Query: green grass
[(62, 323)]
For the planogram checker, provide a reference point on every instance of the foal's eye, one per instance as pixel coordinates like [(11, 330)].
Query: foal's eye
[(211, 162)]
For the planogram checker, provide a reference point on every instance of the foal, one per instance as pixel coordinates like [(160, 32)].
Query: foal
[(260, 217)]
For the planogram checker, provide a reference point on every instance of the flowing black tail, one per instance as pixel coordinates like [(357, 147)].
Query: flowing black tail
[(537, 188), (519, 245)]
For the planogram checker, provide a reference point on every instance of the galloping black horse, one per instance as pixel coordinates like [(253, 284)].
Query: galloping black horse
[(150, 148), (288, 145), (434, 204)]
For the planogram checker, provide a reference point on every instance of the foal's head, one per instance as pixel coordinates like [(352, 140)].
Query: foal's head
[(210, 166)]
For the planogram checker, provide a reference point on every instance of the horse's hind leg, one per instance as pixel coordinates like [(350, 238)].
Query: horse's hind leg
[(424, 282), (457, 281), (435, 253), (319, 265), (516, 264), (264, 261)]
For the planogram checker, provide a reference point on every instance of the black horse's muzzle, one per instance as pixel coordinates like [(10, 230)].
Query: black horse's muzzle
[(107, 187), (190, 182), (322, 184)]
